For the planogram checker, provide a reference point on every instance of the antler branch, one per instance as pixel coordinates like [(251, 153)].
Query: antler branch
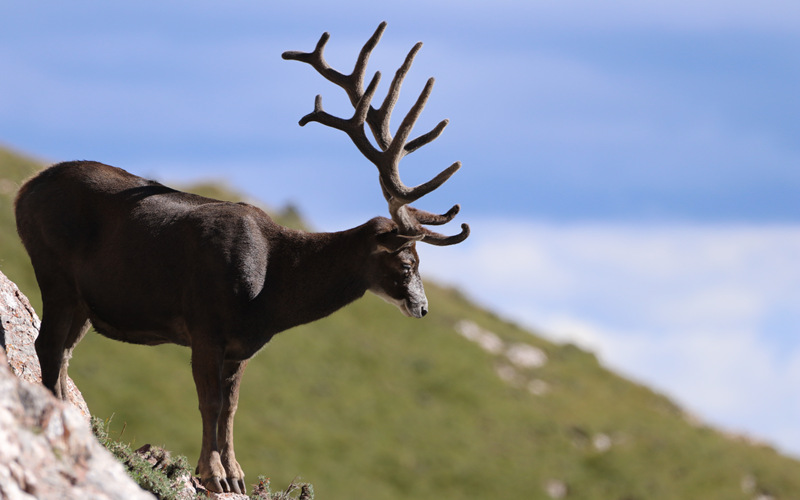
[(386, 157)]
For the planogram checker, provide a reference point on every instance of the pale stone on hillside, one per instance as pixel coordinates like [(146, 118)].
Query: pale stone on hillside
[(526, 356), (488, 341), (538, 387)]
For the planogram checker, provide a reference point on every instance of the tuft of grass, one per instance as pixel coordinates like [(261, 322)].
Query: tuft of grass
[(153, 468), (295, 491)]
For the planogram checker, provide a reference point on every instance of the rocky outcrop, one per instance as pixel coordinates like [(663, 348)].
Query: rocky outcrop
[(47, 449), (19, 327)]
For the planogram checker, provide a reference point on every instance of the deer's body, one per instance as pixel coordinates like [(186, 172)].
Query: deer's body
[(147, 264), (120, 243)]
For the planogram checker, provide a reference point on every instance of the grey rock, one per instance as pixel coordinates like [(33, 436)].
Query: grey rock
[(47, 449), (19, 327)]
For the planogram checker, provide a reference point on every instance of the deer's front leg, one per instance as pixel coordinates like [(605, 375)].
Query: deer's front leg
[(207, 372), (232, 372)]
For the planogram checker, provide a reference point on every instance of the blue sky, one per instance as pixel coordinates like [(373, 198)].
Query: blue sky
[(631, 169)]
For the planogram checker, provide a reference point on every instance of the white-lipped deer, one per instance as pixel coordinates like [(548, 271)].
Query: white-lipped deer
[(147, 264)]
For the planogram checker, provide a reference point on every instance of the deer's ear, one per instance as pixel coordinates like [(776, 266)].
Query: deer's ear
[(392, 241)]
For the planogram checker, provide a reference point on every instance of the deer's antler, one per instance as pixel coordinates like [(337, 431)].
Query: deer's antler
[(390, 149)]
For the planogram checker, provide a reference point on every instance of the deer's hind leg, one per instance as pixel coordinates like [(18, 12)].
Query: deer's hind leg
[(64, 323)]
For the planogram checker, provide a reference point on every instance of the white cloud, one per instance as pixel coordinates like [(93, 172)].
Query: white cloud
[(707, 314)]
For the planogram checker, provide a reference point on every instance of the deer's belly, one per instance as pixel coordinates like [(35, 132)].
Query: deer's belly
[(143, 332)]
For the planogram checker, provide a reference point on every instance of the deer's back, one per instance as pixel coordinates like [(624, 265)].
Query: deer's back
[(140, 255)]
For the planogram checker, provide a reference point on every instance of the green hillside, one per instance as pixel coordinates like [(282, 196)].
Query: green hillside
[(460, 405)]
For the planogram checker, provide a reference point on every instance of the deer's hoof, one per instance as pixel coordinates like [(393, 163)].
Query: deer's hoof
[(237, 486), (216, 484)]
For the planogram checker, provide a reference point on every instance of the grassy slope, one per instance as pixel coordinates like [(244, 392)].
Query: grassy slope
[(369, 404)]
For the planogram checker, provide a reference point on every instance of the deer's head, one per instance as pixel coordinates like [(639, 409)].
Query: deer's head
[(394, 264), (393, 269)]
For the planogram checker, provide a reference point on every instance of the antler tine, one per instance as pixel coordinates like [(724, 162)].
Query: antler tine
[(317, 60), (397, 147), (394, 187), (379, 119), (360, 69), (441, 240), (430, 219), (426, 138)]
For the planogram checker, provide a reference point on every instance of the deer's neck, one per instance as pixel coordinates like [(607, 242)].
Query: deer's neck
[(311, 275)]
